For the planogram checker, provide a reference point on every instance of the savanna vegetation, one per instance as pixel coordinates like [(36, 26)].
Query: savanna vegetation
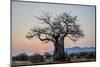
[(47, 58)]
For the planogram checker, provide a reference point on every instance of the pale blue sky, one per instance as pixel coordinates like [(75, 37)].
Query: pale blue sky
[(23, 20)]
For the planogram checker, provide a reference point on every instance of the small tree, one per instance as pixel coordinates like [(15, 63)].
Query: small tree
[(22, 57), (47, 56), (55, 30), (36, 58)]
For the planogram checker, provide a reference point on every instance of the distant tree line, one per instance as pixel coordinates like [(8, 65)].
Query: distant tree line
[(86, 55)]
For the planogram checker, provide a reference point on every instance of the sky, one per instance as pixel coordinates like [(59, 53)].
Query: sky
[(23, 20)]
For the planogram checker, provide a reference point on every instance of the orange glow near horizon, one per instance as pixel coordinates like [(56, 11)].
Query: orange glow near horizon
[(34, 45)]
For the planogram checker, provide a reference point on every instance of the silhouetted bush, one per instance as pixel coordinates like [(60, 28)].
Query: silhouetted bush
[(47, 55), (36, 58), (21, 57), (90, 55), (72, 55), (83, 54)]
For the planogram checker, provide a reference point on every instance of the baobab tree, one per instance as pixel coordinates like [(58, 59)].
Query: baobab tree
[(55, 29)]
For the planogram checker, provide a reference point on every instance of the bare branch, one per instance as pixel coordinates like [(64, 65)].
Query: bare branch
[(44, 39), (72, 38), (46, 18), (44, 30), (30, 35)]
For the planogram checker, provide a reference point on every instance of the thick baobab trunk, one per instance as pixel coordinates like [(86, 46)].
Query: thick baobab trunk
[(59, 54)]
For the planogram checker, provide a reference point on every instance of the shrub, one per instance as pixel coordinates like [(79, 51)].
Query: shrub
[(36, 58)]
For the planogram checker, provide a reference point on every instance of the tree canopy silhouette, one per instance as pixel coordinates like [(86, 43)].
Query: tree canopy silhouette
[(55, 29)]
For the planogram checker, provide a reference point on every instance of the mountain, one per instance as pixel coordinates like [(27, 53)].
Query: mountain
[(79, 49)]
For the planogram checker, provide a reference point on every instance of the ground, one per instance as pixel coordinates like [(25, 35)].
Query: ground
[(73, 60)]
